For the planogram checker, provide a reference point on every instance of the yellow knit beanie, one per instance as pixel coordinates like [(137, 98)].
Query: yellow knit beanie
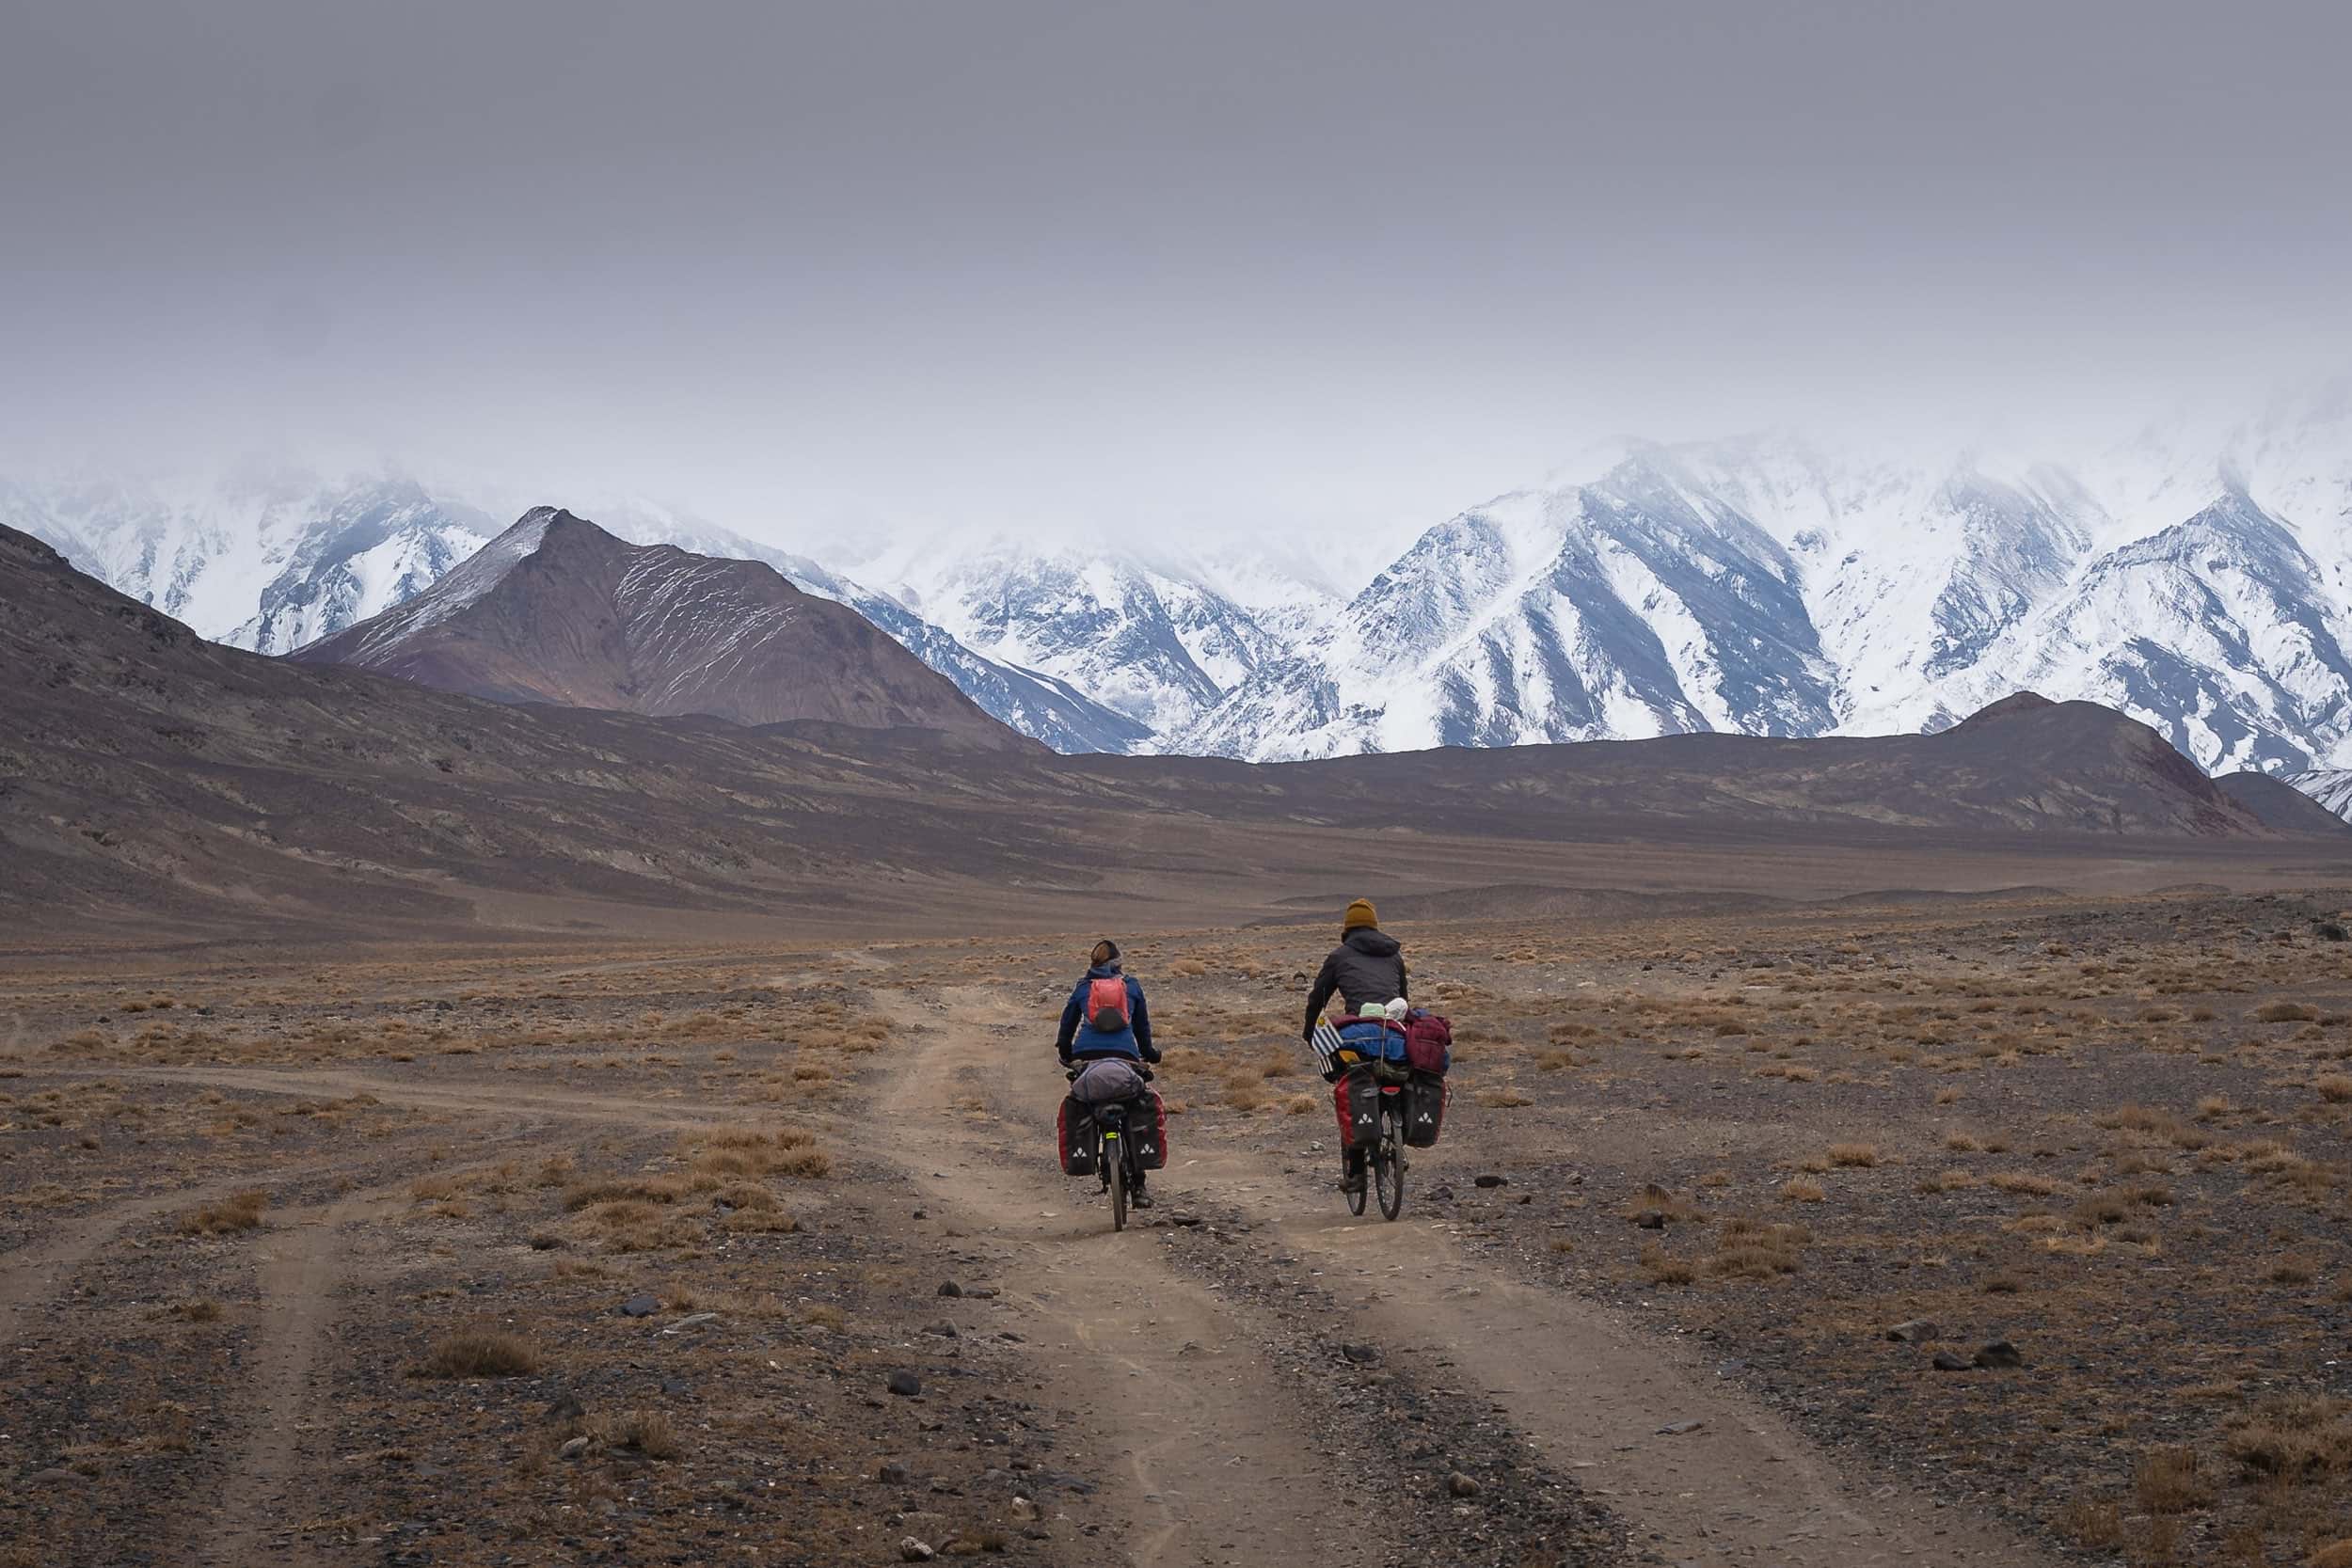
[(1359, 913)]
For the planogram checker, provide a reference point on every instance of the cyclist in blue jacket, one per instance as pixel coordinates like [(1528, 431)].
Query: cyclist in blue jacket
[(1107, 1027), (1083, 1036)]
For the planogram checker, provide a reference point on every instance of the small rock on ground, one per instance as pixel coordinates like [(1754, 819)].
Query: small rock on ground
[(905, 1385)]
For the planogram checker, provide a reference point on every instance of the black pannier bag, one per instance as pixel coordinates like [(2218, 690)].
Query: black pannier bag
[(1424, 1109), (1147, 1131), (1357, 1100), (1076, 1129)]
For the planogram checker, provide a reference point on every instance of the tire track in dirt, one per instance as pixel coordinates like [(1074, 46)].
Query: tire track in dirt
[(35, 1273), (1586, 1386), (1215, 1481), (257, 1519), (460, 1097)]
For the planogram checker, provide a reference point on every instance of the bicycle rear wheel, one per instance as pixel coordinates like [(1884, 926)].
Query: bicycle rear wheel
[(1119, 1188), (1387, 1167)]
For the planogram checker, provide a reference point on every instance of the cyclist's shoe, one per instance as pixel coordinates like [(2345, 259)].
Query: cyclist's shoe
[(1141, 1196), (1352, 1181)]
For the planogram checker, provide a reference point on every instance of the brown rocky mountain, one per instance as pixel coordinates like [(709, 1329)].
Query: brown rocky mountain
[(150, 781), (555, 610), (2280, 805)]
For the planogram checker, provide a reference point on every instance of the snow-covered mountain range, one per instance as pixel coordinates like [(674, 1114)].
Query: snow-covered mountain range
[(1162, 641), (2199, 581), (274, 560), (1766, 587)]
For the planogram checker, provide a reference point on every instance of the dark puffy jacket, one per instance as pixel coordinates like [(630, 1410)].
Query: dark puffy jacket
[(1365, 970), (1077, 1037)]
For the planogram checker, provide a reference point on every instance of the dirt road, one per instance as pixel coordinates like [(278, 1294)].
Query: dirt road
[(1211, 1407), (1221, 1473), (1703, 1476)]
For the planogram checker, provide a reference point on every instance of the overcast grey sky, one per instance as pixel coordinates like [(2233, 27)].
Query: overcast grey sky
[(1141, 266)]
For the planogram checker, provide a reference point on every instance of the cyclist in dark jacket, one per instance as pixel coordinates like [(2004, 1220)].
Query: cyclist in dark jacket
[(1365, 970)]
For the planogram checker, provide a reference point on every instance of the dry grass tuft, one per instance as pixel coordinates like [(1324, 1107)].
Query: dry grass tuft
[(807, 1163), (2286, 1012), (590, 1194), (1854, 1156), (1660, 1267), (644, 1432), (241, 1212), (1799, 1190), (2097, 1525), (2294, 1439), (481, 1353), (2167, 1480), (1752, 1250)]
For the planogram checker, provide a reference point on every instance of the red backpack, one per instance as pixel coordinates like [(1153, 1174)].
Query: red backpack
[(1107, 1005)]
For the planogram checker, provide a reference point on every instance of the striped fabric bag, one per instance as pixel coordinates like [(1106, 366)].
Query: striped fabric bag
[(1324, 1043)]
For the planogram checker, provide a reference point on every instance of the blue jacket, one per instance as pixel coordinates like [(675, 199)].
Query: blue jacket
[(1078, 1039)]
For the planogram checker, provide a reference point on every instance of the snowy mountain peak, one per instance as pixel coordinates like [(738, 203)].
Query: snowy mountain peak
[(1158, 644), (2330, 786)]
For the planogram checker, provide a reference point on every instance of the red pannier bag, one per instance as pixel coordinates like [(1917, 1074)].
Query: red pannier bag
[(1357, 1097), (1428, 1043)]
